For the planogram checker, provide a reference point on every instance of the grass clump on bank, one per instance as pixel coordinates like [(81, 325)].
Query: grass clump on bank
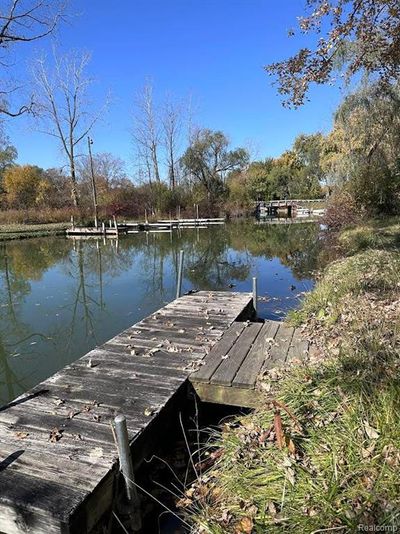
[(375, 234), (323, 449)]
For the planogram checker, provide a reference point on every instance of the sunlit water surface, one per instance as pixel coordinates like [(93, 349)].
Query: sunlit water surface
[(60, 297)]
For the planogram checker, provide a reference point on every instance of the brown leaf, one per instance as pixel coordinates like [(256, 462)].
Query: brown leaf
[(371, 432), (280, 438), (245, 526), (290, 446), (55, 435), (262, 438), (22, 435)]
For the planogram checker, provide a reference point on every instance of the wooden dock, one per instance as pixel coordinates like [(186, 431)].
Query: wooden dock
[(57, 454), (114, 229), (229, 372)]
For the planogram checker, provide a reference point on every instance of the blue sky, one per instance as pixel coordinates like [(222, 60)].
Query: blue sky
[(214, 50)]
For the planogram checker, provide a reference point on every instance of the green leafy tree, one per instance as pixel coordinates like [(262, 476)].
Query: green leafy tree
[(258, 179), (309, 150), (208, 161), (364, 148)]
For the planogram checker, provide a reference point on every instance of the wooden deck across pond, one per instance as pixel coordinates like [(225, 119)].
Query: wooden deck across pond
[(229, 372), (57, 453)]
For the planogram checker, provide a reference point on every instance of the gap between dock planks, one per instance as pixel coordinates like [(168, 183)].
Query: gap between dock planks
[(57, 455)]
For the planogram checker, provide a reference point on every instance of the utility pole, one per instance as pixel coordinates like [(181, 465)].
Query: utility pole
[(90, 143)]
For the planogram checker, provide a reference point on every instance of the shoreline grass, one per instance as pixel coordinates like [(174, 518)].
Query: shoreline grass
[(333, 460), (24, 231)]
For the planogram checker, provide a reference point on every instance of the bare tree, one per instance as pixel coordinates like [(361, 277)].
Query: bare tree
[(64, 106), (146, 134), (171, 120), (23, 21)]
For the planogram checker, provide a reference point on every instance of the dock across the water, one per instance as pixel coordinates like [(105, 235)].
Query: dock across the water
[(114, 228), (58, 459)]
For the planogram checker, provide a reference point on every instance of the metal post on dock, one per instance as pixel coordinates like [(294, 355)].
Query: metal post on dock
[(103, 228), (180, 273), (197, 212), (72, 222), (255, 293), (126, 467)]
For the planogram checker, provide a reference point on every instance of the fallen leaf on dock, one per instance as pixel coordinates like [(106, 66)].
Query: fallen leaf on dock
[(135, 333), (55, 435), (97, 452), (72, 413), (96, 417), (148, 412), (22, 435)]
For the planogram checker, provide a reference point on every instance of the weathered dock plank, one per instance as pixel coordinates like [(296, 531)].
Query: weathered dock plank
[(251, 366), (232, 367), (57, 455)]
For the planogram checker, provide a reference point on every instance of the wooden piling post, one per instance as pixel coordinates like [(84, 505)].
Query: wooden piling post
[(255, 293), (103, 228), (72, 222), (180, 274), (126, 467), (115, 224)]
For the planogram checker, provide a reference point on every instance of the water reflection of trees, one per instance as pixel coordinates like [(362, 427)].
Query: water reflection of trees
[(214, 258), (15, 286), (296, 245), (89, 265)]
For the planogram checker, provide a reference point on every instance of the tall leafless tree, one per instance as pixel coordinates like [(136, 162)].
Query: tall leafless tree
[(146, 134), (64, 106), (171, 120), (23, 21)]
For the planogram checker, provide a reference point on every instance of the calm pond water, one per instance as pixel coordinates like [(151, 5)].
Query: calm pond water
[(60, 297)]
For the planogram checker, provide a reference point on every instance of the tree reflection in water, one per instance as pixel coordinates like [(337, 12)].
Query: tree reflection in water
[(59, 298)]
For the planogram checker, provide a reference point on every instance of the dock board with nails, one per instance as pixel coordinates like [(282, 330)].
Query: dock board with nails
[(57, 453), (229, 372)]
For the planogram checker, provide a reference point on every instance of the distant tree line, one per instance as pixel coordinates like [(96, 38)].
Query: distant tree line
[(177, 163)]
